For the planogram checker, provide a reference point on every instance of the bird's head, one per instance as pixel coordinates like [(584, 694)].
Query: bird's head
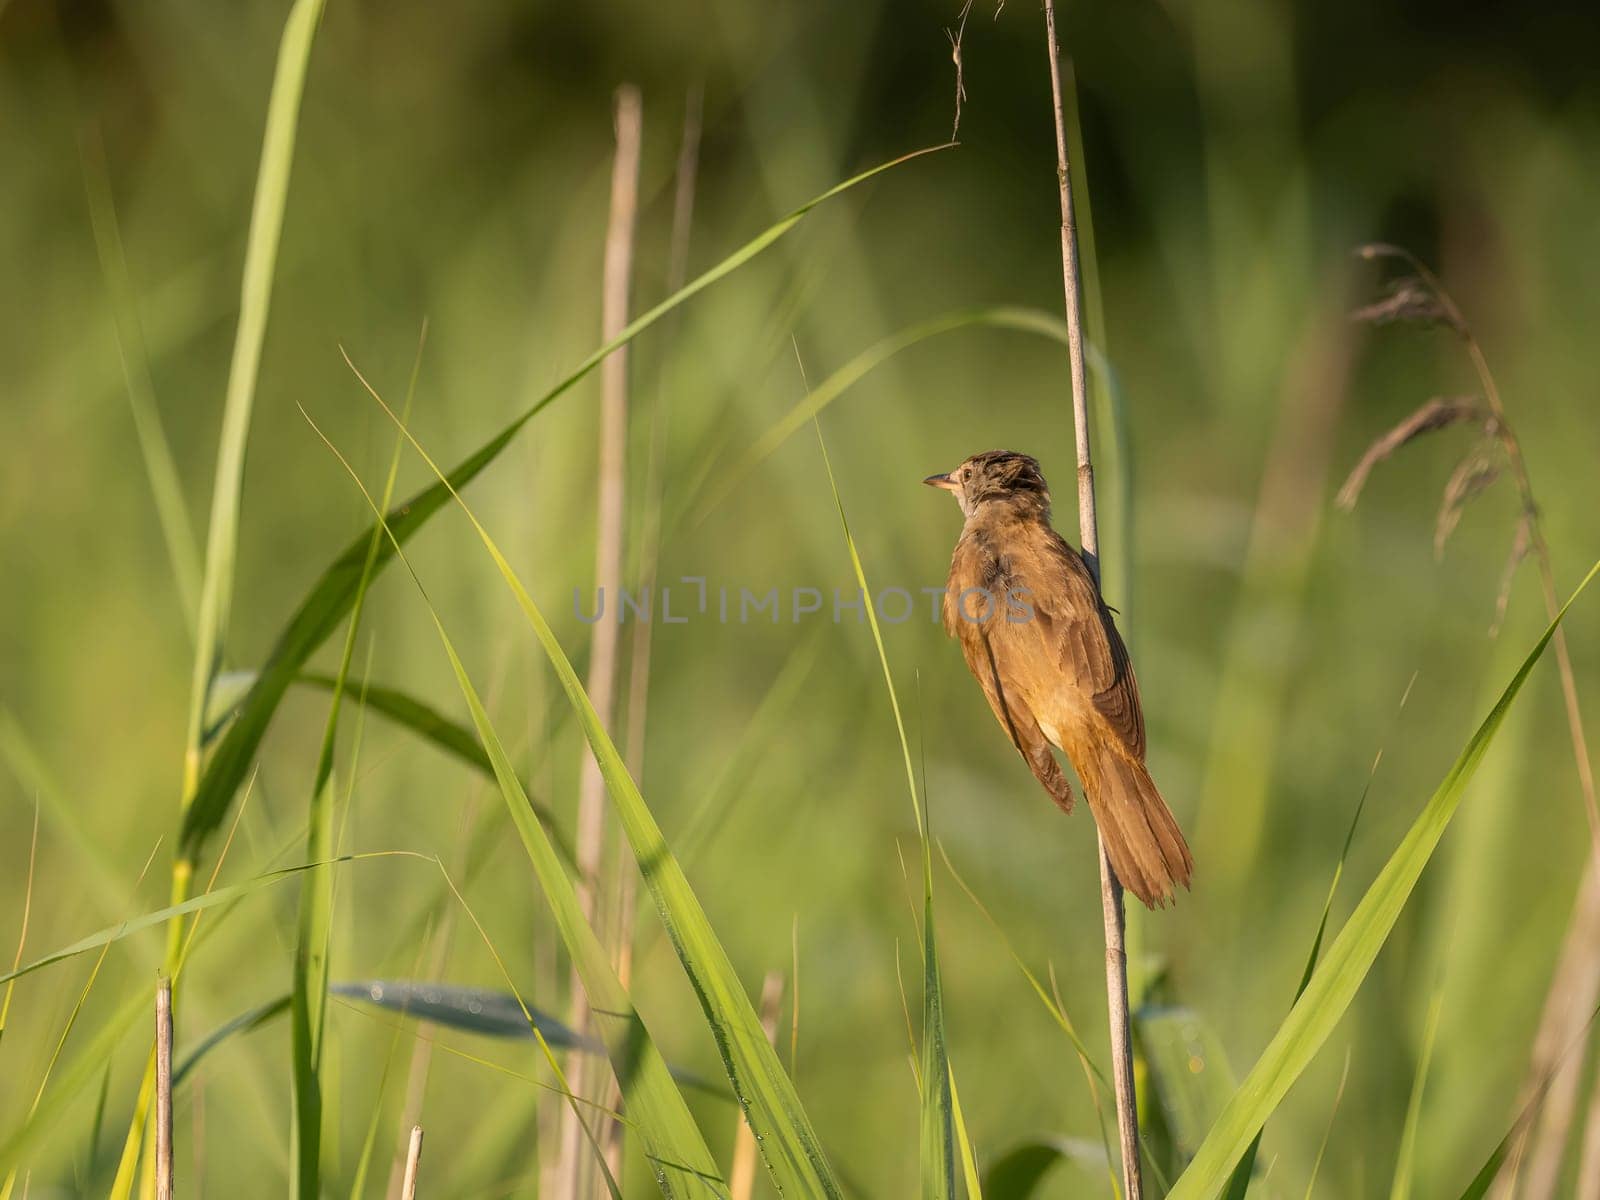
[(997, 477)]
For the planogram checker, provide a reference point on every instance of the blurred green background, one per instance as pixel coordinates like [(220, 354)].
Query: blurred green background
[(453, 164)]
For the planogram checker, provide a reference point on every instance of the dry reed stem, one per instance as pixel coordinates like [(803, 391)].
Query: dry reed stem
[(408, 1188), (1088, 532), (650, 549), (627, 895), (742, 1176), (164, 1089), (575, 1168), (1589, 1163)]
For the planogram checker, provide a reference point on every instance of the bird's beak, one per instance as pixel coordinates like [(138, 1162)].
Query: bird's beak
[(942, 481)]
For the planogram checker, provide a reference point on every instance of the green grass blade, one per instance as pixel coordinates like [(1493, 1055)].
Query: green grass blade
[(679, 1158), (255, 295), (419, 717), (1484, 1179), (1026, 320), (333, 593), (1020, 1171), (309, 994), (1336, 981), (1239, 1181), (969, 1159), (393, 704), (246, 1022), (937, 1138), (216, 584), (783, 1131), (223, 895), (1405, 1159)]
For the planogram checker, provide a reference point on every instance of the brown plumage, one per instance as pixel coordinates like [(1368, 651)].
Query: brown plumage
[(1042, 644)]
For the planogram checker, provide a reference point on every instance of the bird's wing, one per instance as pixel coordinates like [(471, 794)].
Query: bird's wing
[(1000, 687), (1070, 634)]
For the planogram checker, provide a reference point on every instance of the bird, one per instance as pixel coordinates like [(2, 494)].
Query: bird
[(1043, 645)]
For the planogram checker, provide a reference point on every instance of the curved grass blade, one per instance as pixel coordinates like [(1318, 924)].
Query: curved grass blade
[(938, 1085), (1336, 981), (682, 1164), (333, 593), (217, 578), (416, 715), (246, 1022), (309, 995), (1027, 320), (1017, 1174), (395, 705), (783, 1132), (223, 895)]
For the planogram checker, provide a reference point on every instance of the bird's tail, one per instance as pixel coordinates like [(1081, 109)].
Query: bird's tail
[(1144, 843)]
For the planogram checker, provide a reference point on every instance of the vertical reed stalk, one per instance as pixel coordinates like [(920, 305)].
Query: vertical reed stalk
[(575, 1177), (408, 1188), (627, 893), (1110, 888), (164, 1088)]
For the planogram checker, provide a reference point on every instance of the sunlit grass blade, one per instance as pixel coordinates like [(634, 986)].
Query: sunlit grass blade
[(783, 1131), (325, 605), (217, 578), (255, 296), (1339, 977), (195, 904), (677, 1152), (937, 1140), (969, 1157)]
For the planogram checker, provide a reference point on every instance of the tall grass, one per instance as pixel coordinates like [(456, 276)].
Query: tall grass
[(770, 801)]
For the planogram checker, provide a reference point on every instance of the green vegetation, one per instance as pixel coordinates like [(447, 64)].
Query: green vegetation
[(211, 215)]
